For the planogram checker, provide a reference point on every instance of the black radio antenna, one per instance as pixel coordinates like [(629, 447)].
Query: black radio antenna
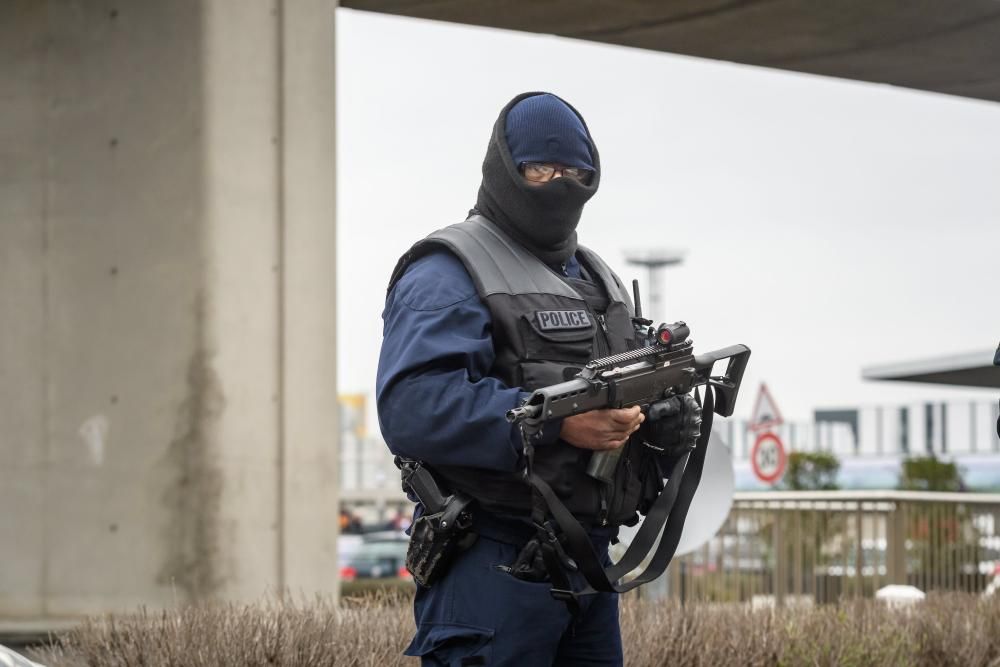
[(638, 302), (638, 319)]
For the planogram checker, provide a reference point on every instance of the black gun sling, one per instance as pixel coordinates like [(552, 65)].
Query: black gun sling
[(667, 513)]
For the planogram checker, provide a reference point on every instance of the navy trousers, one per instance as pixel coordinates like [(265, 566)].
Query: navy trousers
[(478, 614)]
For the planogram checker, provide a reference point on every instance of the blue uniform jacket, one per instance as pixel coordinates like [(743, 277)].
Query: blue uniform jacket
[(436, 401)]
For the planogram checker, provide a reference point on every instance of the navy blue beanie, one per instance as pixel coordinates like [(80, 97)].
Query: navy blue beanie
[(542, 128)]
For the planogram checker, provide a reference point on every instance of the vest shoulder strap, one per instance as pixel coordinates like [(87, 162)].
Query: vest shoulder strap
[(496, 263), (616, 289)]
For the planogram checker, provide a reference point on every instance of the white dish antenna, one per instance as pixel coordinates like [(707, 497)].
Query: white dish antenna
[(709, 508)]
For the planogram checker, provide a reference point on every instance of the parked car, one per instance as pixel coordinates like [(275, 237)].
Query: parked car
[(380, 555), (347, 544)]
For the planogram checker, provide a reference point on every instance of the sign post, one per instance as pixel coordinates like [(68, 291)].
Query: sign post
[(767, 458)]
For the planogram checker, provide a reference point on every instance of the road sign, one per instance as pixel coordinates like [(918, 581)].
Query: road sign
[(768, 458), (765, 411)]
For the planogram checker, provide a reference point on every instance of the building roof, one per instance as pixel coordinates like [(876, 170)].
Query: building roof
[(952, 48), (973, 369)]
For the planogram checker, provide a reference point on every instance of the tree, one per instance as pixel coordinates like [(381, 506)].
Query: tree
[(811, 471), (927, 473)]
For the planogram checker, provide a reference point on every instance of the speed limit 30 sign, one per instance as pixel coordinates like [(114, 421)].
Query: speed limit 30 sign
[(768, 458)]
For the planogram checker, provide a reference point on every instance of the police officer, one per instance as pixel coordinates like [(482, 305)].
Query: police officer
[(477, 315)]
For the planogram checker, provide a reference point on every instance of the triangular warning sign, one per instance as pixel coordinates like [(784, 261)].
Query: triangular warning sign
[(765, 411)]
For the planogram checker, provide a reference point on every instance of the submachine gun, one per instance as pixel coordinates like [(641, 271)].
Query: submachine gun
[(666, 367), (640, 377)]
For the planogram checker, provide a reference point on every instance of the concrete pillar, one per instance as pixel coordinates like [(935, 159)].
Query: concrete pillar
[(904, 431), (168, 418), (944, 428), (929, 429), (973, 436)]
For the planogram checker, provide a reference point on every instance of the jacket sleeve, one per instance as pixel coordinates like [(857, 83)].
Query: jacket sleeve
[(436, 401)]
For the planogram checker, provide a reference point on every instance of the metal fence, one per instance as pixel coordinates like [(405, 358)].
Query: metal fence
[(943, 428), (816, 547)]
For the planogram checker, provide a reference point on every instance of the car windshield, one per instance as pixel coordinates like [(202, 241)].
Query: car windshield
[(378, 550)]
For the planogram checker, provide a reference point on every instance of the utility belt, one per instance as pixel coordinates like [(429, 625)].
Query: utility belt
[(452, 522)]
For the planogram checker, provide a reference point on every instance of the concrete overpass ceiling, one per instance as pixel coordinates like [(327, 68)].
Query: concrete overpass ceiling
[(974, 369), (922, 44)]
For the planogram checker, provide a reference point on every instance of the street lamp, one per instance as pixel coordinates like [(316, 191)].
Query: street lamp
[(655, 260)]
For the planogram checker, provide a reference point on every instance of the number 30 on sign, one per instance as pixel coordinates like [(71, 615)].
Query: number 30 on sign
[(768, 458)]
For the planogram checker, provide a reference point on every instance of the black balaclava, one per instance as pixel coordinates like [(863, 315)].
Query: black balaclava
[(543, 217)]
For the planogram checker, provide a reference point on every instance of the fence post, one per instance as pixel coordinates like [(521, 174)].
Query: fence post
[(797, 575), (859, 554), (896, 547), (674, 587), (780, 564)]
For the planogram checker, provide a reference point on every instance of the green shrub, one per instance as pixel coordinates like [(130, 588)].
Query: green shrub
[(927, 473), (811, 471), (368, 587)]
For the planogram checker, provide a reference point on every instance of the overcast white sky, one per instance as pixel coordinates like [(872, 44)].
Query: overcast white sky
[(829, 225)]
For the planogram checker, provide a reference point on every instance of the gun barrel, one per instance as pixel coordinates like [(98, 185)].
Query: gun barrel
[(516, 415)]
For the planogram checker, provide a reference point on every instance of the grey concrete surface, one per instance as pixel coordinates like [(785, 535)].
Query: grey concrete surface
[(973, 369), (167, 252), (923, 44)]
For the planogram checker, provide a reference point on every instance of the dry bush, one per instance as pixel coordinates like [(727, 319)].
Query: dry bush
[(370, 631), (943, 631)]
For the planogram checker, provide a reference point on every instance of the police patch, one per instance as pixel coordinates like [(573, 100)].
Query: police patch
[(549, 320)]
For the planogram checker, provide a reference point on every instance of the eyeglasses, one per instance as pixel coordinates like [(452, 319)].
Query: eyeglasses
[(542, 172)]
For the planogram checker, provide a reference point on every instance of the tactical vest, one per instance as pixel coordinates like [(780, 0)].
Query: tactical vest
[(546, 327)]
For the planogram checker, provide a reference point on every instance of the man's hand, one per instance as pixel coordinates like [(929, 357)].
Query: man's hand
[(674, 425), (601, 429)]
